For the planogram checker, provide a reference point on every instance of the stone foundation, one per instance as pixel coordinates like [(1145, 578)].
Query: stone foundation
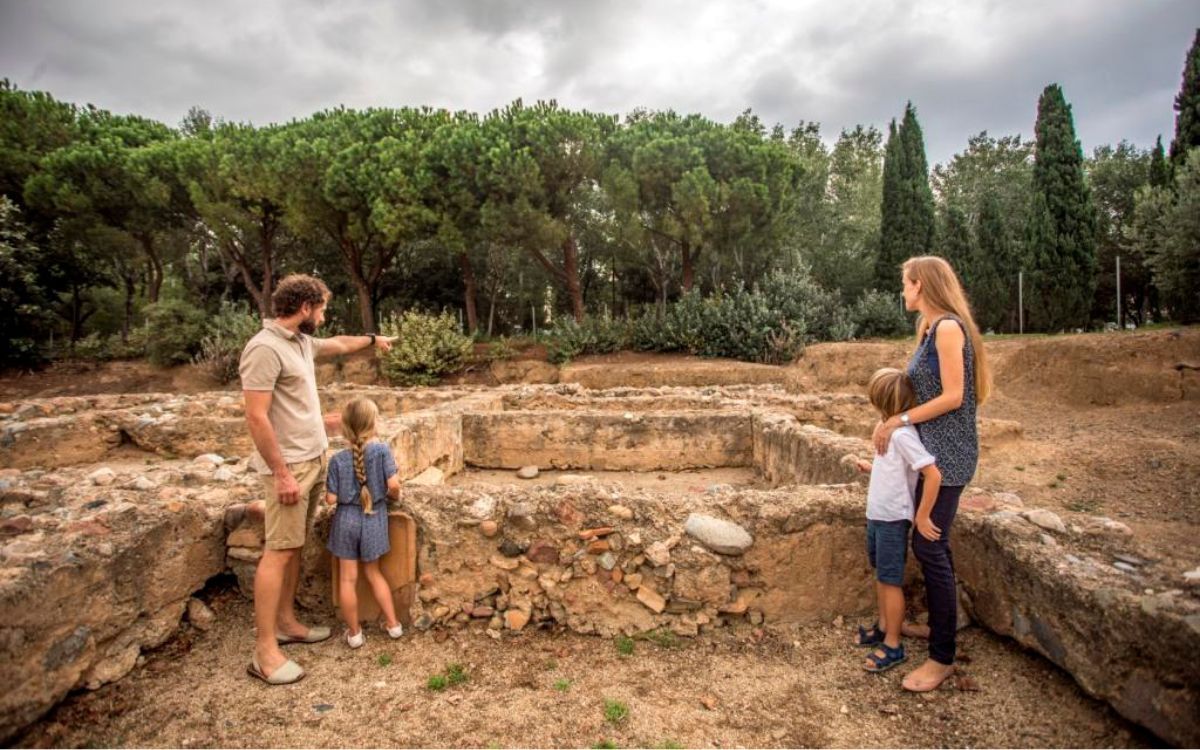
[(96, 565)]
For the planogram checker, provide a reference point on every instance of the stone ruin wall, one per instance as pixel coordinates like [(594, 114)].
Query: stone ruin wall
[(96, 566)]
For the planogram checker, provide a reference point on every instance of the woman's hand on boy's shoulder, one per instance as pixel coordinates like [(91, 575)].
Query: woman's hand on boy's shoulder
[(881, 436)]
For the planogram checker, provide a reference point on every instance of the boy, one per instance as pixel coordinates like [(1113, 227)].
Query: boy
[(890, 514)]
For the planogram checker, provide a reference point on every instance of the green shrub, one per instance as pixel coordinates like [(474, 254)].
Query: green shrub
[(501, 349), (878, 315), (221, 347), (568, 339), (133, 347), (92, 347), (428, 347), (174, 329)]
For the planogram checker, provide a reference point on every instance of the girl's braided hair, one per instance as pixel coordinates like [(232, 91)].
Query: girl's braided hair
[(358, 424)]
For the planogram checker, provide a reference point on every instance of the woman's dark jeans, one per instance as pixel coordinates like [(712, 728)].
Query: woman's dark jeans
[(937, 566)]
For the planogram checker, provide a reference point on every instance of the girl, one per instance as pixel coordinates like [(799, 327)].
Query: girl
[(950, 374), (360, 480)]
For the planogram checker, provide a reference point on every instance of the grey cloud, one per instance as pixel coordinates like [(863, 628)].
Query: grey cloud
[(837, 63)]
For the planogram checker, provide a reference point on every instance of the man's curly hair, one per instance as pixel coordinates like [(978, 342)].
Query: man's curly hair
[(294, 290)]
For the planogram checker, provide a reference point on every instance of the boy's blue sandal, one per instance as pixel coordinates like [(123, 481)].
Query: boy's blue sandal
[(891, 657), (869, 637)]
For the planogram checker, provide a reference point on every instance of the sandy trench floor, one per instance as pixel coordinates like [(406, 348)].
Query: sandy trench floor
[(778, 687)]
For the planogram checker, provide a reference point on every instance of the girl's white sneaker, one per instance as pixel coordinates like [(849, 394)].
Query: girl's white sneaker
[(357, 640), (395, 632)]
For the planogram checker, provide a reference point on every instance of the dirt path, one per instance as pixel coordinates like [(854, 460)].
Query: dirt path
[(787, 688)]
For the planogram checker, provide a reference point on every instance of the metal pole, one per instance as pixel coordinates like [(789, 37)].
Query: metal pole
[(1021, 301), (1120, 321), (533, 317)]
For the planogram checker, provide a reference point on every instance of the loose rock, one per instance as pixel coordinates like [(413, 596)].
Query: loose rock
[(527, 472), (718, 535), (1047, 519), (200, 615), (102, 477)]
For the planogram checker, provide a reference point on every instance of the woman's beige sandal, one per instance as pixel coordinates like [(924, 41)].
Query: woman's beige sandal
[(287, 674), (315, 634)]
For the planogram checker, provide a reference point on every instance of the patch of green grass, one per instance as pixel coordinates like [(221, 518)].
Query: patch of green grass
[(385, 660), (1061, 477), (551, 665), (562, 686), (456, 674), (615, 711), (668, 745), (1019, 468), (604, 745), (436, 682), (1084, 506), (660, 637), (624, 645)]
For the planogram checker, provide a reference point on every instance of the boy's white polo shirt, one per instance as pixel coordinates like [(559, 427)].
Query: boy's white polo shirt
[(894, 477)]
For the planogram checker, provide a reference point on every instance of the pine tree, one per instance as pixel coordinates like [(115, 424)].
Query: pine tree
[(1160, 171), (1187, 107), (1062, 262), (907, 221)]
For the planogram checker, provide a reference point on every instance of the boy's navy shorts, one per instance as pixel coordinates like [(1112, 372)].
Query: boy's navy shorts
[(887, 549)]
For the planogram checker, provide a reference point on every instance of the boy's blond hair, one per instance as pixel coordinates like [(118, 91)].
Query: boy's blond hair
[(891, 392)]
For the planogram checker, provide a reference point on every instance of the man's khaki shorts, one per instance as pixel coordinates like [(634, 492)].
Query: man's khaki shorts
[(287, 526)]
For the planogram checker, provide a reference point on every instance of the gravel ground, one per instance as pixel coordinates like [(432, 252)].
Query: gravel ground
[(737, 687)]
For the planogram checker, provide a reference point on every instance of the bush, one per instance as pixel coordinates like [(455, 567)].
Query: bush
[(815, 312), (502, 349), (428, 347), (680, 327), (568, 339), (227, 334), (878, 315), (133, 347), (92, 347), (174, 329)]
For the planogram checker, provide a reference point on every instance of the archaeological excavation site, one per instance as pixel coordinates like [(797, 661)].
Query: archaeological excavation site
[(692, 553)]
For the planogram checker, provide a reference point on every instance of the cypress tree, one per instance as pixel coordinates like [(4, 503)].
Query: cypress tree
[(1160, 172), (957, 244), (1062, 262), (889, 225), (907, 221), (993, 290), (1187, 107)]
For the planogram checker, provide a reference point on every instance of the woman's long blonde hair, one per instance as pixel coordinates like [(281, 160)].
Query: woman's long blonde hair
[(358, 425), (942, 289)]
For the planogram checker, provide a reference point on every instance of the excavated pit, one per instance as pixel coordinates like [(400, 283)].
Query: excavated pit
[(668, 509)]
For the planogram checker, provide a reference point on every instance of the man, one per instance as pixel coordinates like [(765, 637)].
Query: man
[(283, 413)]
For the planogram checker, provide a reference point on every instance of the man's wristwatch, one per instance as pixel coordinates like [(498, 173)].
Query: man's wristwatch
[(904, 420), (372, 337)]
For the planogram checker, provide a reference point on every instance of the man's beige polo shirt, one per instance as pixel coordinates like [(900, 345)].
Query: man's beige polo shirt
[(281, 361)]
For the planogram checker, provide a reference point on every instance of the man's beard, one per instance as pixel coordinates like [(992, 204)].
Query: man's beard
[(308, 326)]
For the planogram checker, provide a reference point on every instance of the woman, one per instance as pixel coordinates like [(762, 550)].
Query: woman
[(950, 374)]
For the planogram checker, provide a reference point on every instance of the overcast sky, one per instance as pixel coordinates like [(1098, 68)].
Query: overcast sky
[(967, 66)]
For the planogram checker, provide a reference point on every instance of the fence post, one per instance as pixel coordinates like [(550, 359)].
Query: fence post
[(1120, 321), (1021, 302)]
